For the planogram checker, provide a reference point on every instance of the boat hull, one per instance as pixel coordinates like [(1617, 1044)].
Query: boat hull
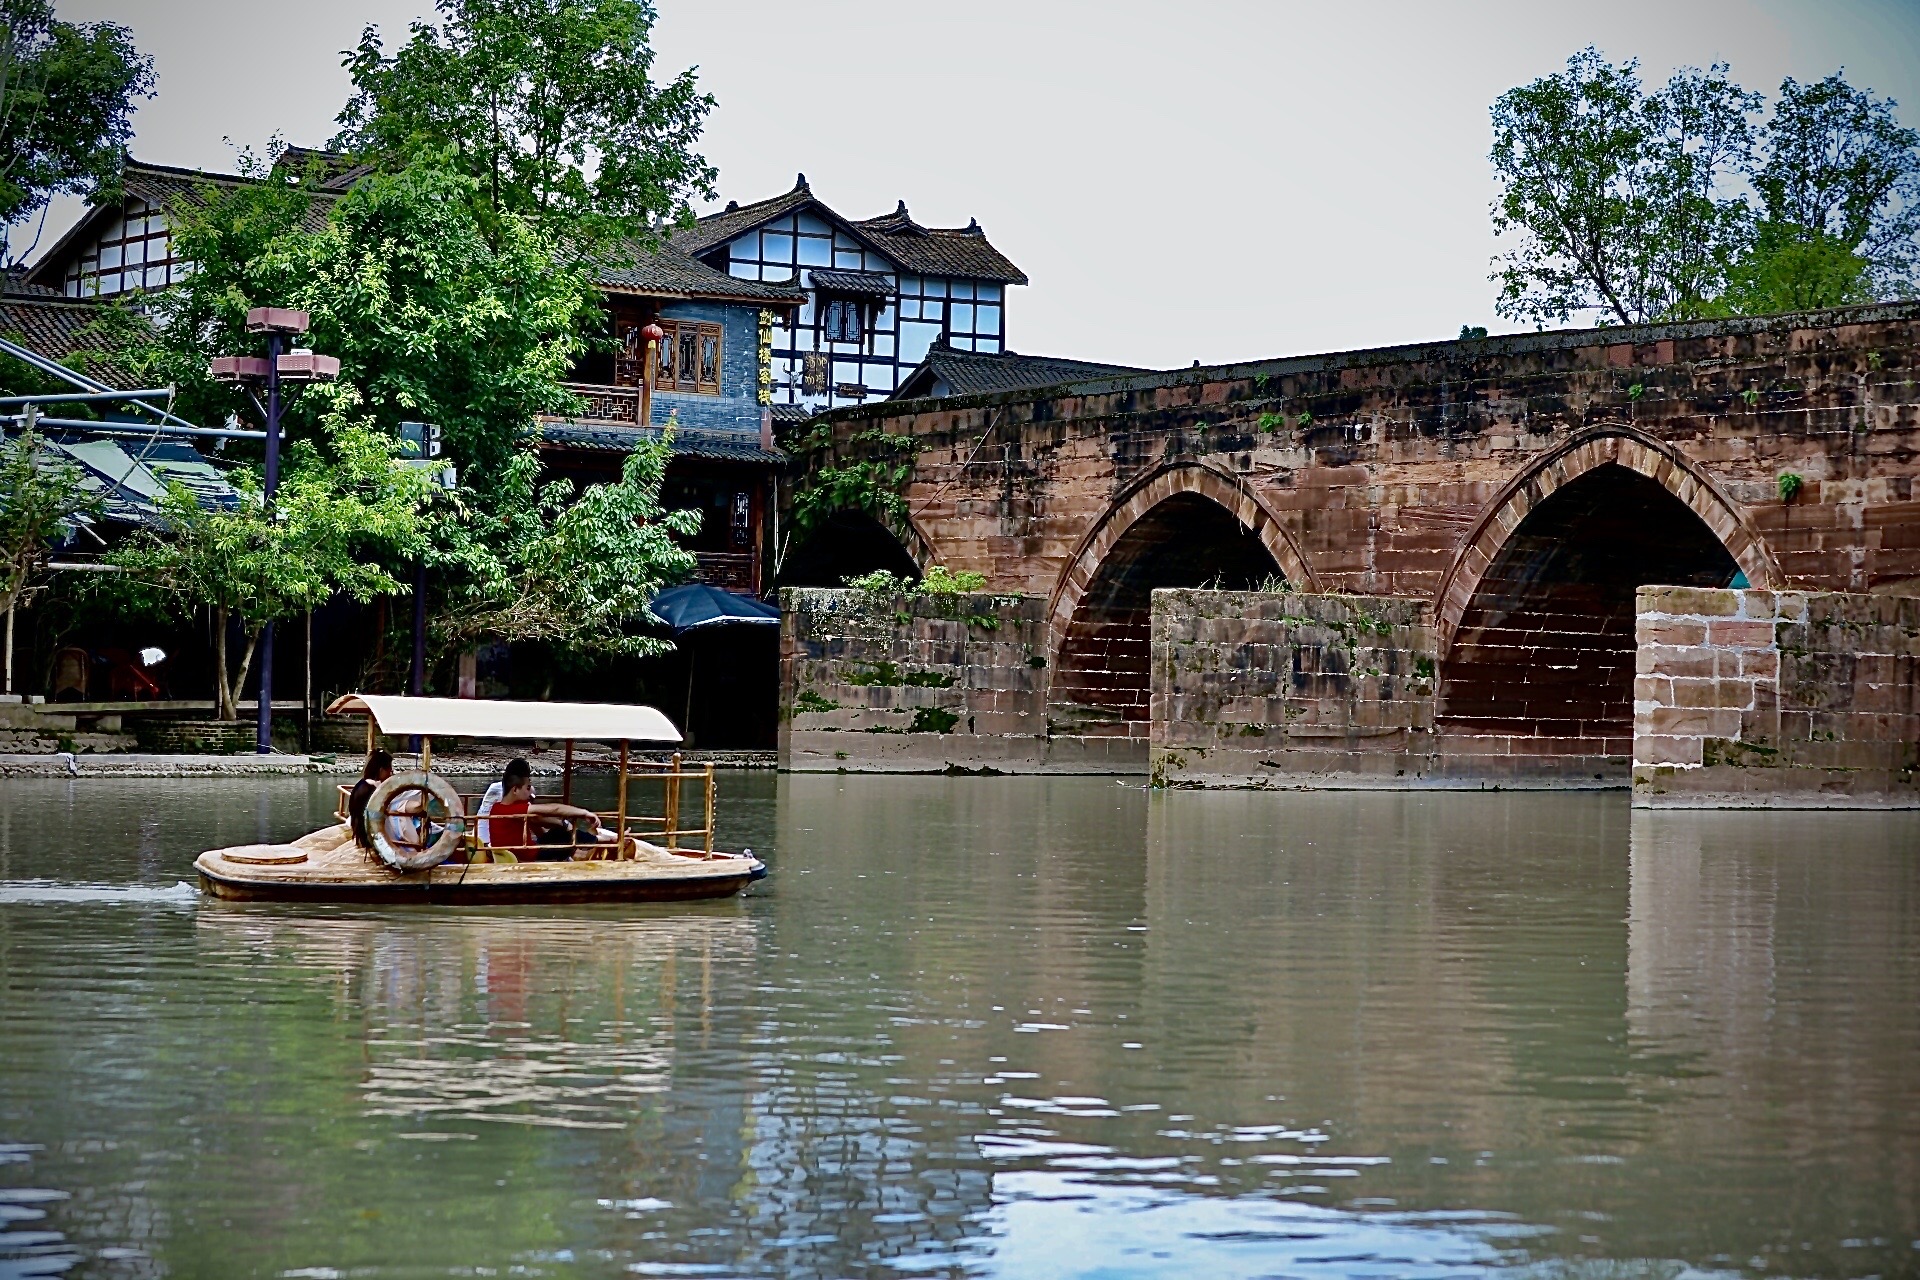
[(332, 870)]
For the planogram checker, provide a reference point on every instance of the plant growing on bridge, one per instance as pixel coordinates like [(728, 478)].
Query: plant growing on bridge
[(1790, 485), (874, 484), (937, 581)]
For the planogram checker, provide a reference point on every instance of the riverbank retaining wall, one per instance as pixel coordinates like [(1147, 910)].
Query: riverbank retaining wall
[(922, 683), (1776, 699)]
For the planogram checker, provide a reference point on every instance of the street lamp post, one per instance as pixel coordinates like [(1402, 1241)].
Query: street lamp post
[(278, 324)]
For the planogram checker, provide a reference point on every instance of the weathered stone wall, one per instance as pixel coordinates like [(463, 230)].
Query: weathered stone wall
[(1776, 699), (1374, 471), (1262, 689), (40, 729), (909, 683)]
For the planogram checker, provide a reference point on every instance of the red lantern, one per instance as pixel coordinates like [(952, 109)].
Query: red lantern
[(653, 335)]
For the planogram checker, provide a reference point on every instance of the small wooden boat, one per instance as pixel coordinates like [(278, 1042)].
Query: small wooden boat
[(425, 848)]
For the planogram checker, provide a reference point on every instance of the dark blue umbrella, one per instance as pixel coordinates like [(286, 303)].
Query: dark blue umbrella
[(696, 605)]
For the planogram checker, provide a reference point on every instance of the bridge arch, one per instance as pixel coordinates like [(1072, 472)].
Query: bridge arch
[(849, 543), (1536, 615), (1186, 525)]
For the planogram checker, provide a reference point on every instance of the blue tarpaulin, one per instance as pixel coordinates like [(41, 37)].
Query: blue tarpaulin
[(696, 605)]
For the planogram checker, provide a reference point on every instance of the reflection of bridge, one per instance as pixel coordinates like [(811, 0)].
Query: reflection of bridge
[(1524, 486)]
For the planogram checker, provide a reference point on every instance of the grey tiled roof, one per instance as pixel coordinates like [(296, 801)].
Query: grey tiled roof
[(337, 172), (790, 412), (950, 251), (940, 251), (159, 185), (868, 283), (718, 228), (59, 329), (688, 442), (669, 272), (130, 476), (967, 372)]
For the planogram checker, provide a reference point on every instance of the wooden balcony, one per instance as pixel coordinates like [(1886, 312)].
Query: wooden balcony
[(607, 404), (730, 570)]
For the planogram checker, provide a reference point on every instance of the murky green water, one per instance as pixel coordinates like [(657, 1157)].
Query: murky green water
[(1006, 1027)]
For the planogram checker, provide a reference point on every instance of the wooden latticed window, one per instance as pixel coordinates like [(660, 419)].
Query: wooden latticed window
[(689, 359), (842, 320)]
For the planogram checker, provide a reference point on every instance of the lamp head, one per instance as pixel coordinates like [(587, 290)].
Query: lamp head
[(277, 320)]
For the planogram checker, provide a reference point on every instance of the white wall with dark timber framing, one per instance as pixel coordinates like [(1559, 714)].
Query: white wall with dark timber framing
[(970, 314), (132, 254)]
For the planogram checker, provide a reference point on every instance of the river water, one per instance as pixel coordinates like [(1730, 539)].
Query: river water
[(1013, 1027)]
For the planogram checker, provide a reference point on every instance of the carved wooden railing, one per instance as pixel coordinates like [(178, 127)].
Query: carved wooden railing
[(732, 570), (607, 404)]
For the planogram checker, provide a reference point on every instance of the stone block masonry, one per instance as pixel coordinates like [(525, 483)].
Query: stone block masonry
[(1263, 689), (1525, 486), (1776, 699), (920, 684)]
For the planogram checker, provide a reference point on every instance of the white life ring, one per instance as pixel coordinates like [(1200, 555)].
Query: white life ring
[(406, 857)]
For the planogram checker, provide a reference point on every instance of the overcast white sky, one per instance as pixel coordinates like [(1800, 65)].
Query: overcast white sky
[(1208, 179)]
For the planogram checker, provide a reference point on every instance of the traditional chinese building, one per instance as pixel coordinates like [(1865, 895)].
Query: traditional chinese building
[(879, 293), (710, 380)]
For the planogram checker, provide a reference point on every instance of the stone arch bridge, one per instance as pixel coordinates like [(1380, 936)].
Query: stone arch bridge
[(1516, 490)]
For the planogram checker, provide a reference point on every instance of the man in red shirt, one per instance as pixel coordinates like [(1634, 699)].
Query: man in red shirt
[(541, 828)]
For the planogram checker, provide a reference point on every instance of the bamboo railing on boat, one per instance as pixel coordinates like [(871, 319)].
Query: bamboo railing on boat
[(664, 829)]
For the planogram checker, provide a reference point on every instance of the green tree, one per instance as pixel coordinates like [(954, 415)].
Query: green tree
[(170, 338), (332, 524), (67, 93), (1841, 176), (40, 495), (551, 107), (432, 319), (1789, 268), (1670, 205), (552, 563), (1616, 197)]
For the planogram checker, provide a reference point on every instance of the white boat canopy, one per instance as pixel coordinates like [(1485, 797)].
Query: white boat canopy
[(485, 718)]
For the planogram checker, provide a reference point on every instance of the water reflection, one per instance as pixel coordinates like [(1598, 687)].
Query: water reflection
[(518, 1020), (1021, 1027)]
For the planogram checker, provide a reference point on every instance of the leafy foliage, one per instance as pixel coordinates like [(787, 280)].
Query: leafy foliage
[(331, 523), (937, 581), (1640, 206), (67, 94), (551, 108), (1614, 195), (1843, 173), (38, 496), (547, 563), (874, 485), (1789, 269), (432, 320)]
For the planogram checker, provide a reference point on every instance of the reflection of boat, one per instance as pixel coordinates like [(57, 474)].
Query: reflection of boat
[(424, 849)]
